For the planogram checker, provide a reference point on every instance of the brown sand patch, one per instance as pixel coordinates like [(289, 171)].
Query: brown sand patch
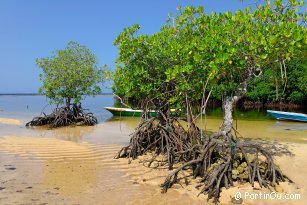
[(10, 121), (251, 195)]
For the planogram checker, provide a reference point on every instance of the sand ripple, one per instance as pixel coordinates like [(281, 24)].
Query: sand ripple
[(50, 148), (72, 166), (67, 172)]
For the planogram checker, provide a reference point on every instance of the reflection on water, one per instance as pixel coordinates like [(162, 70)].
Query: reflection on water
[(258, 129), (264, 129), (130, 122), (72, 133), (252, 123)]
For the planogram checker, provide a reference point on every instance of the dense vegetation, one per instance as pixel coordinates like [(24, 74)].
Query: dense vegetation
[(69, 75), (271, 87), (268, 88), (202, 55)]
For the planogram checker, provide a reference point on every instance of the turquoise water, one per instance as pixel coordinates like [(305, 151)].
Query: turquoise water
[(24, 108), (255, 123), (27, 107)]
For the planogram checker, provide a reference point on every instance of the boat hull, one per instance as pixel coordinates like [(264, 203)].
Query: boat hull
[(288, 116), (132, 113)]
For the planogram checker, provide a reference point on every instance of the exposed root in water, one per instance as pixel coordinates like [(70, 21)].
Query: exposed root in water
[(219, 162), (64, 116)]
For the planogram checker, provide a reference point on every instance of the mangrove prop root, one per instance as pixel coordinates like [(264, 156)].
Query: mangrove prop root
[(217, 160), (65, 116), (218, 163), (165, 138)]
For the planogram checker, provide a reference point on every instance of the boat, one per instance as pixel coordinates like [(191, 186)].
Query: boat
[(288, 115), (133, 113)]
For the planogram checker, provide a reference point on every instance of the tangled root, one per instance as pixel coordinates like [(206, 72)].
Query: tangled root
[(161, 138), (219, 162), (64, 116)]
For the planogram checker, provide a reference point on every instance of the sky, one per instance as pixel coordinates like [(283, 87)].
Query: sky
[(35, 28)]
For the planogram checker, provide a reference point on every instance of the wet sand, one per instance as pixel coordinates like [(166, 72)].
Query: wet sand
[(72, 165), (10, 121), (53, 171), (76, 166)]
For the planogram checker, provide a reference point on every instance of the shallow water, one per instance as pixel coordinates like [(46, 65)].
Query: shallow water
[(26, 107), (75, 165), (257, 129)]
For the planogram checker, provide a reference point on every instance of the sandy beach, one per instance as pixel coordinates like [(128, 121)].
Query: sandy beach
[(76, 165), (53, 171)]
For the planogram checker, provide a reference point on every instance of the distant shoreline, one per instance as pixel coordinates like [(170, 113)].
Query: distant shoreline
[(37, 94)]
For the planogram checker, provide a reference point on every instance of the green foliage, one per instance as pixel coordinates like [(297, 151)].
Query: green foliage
[(148, 67), (226, 50), (69, 74), (294, 90), (263, 89), (297, 81)]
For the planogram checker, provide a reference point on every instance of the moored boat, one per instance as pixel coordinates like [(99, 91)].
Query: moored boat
[(131, 112), (288, 115)]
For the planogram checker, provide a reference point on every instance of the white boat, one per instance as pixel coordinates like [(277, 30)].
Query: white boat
[(288, 115), (133, 113)]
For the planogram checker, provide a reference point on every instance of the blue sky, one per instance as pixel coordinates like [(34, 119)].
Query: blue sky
[(35, 28)]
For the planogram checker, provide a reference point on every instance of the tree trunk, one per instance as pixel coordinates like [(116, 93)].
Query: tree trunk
[(76, 110), (228, 105), (68, 103), (277, 89)]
